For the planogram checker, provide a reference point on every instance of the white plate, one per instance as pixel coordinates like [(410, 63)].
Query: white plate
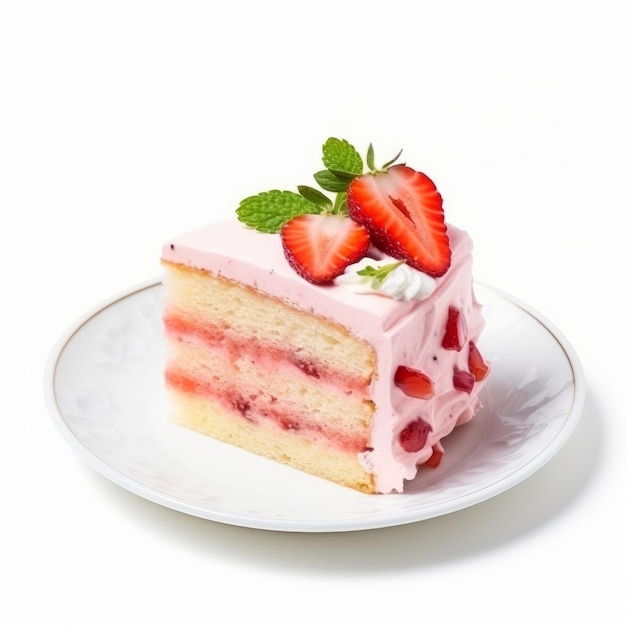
[(104, 390)]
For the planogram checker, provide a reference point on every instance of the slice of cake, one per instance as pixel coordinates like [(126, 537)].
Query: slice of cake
[(340, 340)]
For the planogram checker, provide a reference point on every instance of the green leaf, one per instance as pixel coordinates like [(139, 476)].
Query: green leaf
[(389, 163), (341, 158), (379, 274), (316, 197), (269, 210), (328, 181), (341, 204), (347, 176), (370, 158)]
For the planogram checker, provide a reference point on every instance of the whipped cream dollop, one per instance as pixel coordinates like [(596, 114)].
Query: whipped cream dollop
[(401, 283)]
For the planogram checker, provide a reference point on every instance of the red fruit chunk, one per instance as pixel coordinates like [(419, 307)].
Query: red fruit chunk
[(477, 365), (463, 381), (403, 212), (435, 457), (456, 330), (414, 383), (320, 247), (413, 437)]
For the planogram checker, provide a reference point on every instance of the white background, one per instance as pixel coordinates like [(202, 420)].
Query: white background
[(124, 123)]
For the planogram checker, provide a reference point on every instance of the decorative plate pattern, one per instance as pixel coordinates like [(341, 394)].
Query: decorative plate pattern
[(104, 391)]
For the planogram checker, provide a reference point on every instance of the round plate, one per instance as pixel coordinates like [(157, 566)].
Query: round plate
[(105, 393)]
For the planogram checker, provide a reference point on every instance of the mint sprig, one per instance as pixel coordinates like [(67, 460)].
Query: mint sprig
[(268, 211), (380, 273)]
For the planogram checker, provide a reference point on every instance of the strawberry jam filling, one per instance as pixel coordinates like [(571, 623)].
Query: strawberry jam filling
[(266, 356), (261, 408)]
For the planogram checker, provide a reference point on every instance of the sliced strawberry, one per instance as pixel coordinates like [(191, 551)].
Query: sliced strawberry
[(477, 365), (456, 330), (414, 383), (403, 211), (414, 435), (320, 247)]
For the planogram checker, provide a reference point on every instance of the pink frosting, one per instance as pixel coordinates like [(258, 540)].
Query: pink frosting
[(401, 333)]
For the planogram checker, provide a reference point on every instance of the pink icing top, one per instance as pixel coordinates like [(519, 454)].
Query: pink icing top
[(401, 333)]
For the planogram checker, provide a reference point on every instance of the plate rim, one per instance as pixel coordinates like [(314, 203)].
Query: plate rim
[(298, 525)]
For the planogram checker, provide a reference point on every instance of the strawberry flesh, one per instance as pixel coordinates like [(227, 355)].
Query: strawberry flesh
[(435, 457), (320, 247), (456, 330), (413, 437), (414, 383), (463, 381), (403, 212), (477, 365)]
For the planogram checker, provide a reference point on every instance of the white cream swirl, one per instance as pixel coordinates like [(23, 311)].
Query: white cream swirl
[(401, 283)]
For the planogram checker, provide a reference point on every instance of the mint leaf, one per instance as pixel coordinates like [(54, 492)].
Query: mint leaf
[(341, 158), (328, 181), (316, 197), (342, 175), (379, 274), (269, 210)]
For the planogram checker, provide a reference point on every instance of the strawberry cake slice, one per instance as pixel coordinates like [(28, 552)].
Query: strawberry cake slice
[(338, 336)]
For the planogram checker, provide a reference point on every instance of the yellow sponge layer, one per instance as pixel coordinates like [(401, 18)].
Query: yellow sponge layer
[(252, 370)]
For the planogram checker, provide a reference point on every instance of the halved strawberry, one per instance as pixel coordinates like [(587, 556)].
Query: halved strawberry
[(403, 212), (320, 247)]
